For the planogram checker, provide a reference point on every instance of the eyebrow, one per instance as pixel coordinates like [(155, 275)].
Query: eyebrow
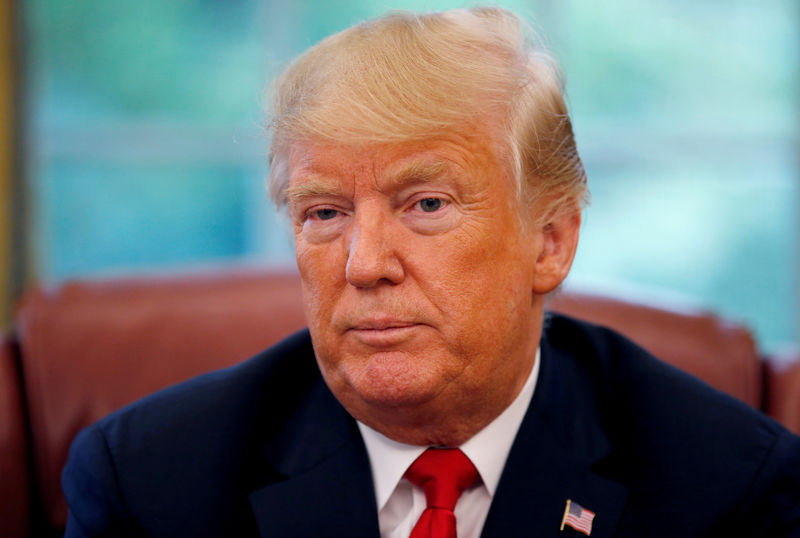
[(312, 186), (416, 172), (409, 174)]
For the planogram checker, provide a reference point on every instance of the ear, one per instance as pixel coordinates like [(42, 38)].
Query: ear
[(558, 240)]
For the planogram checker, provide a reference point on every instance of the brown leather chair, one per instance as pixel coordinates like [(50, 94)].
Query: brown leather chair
[(88, 348), (782, 388)]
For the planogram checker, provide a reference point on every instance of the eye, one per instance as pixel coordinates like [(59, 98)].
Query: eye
[(430, 213), (324, 214), (429, 205)]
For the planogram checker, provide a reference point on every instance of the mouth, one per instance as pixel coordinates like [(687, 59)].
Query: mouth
[(381, 325), (383, 333)]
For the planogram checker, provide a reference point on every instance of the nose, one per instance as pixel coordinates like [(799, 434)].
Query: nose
[(372, 256)]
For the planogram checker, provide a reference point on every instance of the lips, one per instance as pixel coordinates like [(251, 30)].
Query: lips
[(383, 332), (381, 325)]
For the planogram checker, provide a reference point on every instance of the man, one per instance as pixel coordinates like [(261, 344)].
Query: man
[(428, 168)]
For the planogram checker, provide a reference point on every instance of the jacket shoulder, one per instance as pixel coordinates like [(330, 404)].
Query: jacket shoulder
[(230, 395), (165, 449), (688, 452), (633, 381)]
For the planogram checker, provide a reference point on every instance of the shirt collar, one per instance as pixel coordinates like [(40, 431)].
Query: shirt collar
[(487, 449)]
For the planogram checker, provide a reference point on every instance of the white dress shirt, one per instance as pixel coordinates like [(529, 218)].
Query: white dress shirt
[(400, 503)]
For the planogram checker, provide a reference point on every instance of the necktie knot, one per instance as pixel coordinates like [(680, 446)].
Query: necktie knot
[(443, 473)]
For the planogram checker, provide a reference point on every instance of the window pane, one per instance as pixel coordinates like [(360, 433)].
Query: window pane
[(686, 116)]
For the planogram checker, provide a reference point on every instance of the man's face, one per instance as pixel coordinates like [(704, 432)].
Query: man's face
[(418, 277)]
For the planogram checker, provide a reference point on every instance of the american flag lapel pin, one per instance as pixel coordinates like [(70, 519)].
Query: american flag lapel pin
[(577, 517)]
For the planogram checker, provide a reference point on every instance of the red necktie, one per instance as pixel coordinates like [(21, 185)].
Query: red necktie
[(443, 473)]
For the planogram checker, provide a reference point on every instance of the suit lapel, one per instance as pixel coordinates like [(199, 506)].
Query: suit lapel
[(556, 456), (327, 490)]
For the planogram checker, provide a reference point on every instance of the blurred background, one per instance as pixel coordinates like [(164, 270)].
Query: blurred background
[(133, 140)]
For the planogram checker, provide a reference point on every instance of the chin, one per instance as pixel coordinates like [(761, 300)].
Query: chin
[(393, 380)]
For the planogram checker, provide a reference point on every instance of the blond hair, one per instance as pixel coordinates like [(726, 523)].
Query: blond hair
[(413, 76)]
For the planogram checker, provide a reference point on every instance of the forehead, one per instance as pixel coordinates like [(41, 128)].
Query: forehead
[(457, 158)]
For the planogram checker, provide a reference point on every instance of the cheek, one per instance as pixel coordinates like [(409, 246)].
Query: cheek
[(319, 263), (306, 257), (484, 283), (487, 254), (321, 274)]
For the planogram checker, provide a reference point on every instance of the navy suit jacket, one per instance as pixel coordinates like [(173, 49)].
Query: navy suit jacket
[(263, 448)]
